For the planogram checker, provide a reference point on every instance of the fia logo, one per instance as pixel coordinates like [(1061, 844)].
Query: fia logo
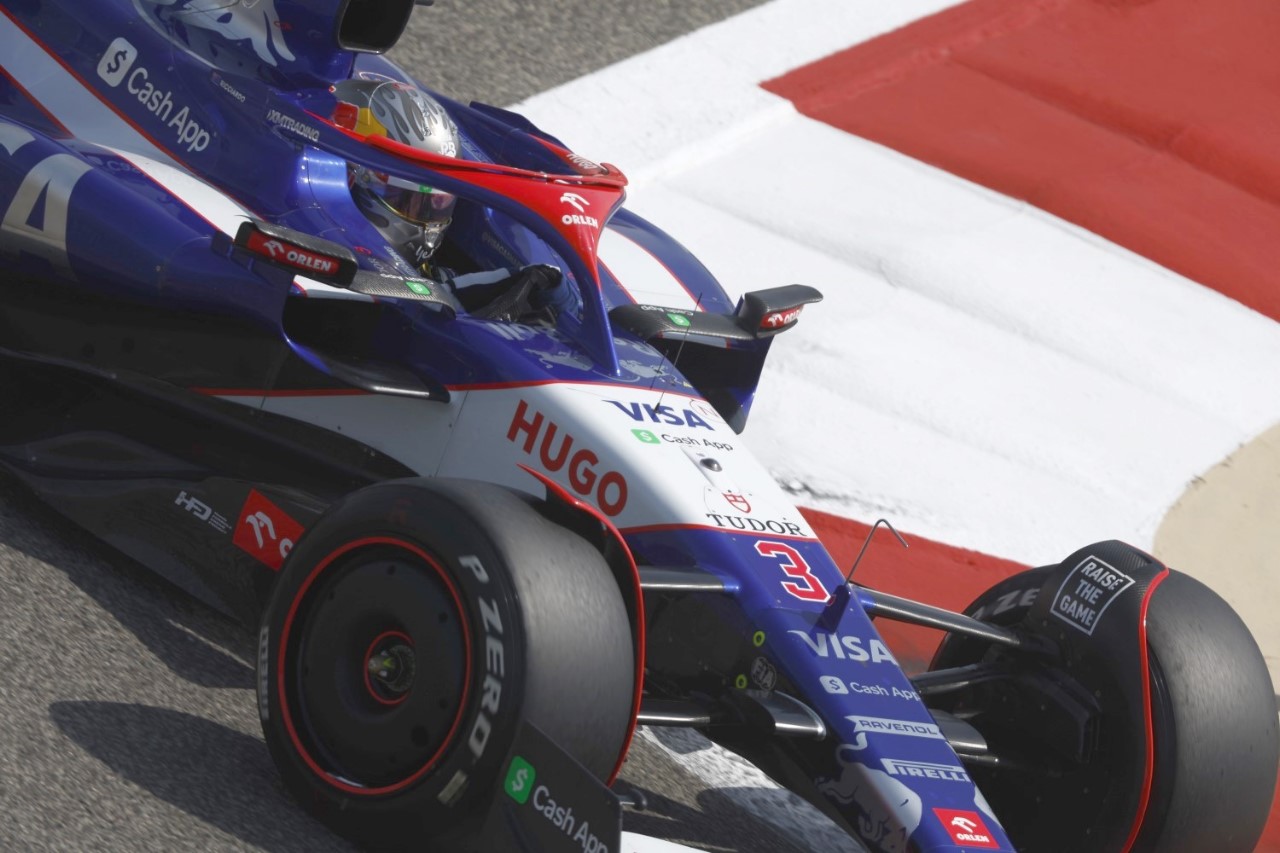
[(117, 61)]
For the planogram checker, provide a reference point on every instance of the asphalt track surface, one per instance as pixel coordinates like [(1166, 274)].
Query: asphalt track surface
[(127, 713)]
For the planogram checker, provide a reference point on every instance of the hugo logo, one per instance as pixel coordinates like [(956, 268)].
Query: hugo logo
[(609, 488)]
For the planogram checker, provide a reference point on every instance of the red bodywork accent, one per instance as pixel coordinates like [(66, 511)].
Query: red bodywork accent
[(803, 585), (41, 107), (967, 829), (561, 493), (580, 164), (778, 319), (1149, 768), (284, 645), (288, 253), (346, 115), (576, 205), (265, 531)]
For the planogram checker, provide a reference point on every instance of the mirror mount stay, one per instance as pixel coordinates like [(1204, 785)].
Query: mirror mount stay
[(761, 314), (329, 263)]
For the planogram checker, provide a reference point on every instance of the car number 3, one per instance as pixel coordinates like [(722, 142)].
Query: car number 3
[(803, 584)]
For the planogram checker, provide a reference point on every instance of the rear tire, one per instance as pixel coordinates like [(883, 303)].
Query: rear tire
[(412, 631), (1217, 740)]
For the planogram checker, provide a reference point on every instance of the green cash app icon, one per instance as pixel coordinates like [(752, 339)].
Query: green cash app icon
[(520, 778), (646, 436), (680, 320), (418, 288)]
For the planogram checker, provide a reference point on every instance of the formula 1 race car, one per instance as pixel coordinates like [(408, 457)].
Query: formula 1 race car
[(484, 534)]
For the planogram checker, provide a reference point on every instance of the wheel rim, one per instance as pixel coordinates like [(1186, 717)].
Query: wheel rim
[(376, 666)]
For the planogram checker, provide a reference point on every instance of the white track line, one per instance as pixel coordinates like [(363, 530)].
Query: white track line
[(981, 373)]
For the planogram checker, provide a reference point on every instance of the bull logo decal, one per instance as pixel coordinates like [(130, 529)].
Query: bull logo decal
[(889, 811), (255, 21)]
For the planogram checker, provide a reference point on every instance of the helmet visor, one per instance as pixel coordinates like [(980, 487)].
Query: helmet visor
[(416, 203)]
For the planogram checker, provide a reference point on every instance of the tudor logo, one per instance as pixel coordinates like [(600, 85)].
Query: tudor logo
[(578, 203), (738, 501)]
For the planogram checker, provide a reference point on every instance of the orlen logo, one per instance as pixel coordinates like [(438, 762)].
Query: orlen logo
[(292, 255), (967, 829), (778, 319), (579, 204), (609, 489), (117, 61)]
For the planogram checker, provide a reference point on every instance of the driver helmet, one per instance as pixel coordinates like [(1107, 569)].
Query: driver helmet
[(411, 215)]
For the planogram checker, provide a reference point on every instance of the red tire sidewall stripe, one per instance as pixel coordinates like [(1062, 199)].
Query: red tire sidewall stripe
[(284, 645), (1149, 765)]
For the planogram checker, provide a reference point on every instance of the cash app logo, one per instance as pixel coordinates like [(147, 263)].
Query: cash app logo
[(646, 436), (520, 778), (117, 61)]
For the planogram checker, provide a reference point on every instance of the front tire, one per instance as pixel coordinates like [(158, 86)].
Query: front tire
[(410, 634), (1214, 726)]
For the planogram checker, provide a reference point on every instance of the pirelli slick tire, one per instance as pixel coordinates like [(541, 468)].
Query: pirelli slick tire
[(411, 632), (1214, 727)]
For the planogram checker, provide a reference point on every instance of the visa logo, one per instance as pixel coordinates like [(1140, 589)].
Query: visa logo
[(642, 412)]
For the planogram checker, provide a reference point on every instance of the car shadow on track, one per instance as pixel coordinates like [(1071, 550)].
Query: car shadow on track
[(194, 641), (680, 807), (207, 770)]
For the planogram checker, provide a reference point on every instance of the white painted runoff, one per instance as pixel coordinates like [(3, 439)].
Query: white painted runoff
[(981, 373)]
